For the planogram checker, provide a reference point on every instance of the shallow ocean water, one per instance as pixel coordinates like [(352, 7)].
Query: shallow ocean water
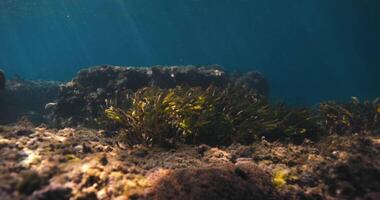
[(309, 51), (189, 99)]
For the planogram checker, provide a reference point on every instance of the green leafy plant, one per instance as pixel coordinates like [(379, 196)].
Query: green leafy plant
[(163, 117), (145, 121), (274, 122), (352, 117), (213, 116)]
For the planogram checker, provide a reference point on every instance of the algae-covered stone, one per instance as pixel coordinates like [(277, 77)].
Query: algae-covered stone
[(53, 191), (226, 182), (82, 100), (31, 181)]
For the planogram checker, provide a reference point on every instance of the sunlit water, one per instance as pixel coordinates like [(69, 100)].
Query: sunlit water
[(309, 50)]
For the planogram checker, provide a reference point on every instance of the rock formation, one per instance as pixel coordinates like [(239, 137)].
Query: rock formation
[(26, 98), (84, 98)]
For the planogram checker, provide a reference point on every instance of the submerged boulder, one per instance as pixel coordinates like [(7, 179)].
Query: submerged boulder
[(26, 98), (253, 80), (228, 182), (52, 191), (83, 99)]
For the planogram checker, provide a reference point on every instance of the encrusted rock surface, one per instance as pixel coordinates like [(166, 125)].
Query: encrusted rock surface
[(78, 163), (84, 98), (227, 182)]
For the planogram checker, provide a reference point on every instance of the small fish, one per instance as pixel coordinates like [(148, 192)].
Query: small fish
[(49, 106), (378, 109), (355, 100)]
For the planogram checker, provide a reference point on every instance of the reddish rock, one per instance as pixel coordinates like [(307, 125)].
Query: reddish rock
[(220, 183)]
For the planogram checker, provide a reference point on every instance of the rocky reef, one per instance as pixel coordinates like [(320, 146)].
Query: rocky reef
[(42, 163), (181, 132), (22, 98), (83, 99)]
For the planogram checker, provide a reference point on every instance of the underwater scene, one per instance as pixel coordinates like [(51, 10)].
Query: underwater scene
[(189, 100)]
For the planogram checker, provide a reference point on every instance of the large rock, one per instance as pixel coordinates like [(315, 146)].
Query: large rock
[(26, 98), (254, 80), (56, 192), (224, 183), (84, 98)]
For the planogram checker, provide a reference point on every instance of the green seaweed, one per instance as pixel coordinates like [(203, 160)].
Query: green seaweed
[(352, 117), (164, 117), (213, 116)]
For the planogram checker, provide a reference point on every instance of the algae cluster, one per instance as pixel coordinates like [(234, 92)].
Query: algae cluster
[(221, 116), (213, 116), (351, 117)]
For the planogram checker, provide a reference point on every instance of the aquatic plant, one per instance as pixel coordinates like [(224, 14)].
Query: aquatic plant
[(214, 116), (352, 117), (274, 122), (282, 176), (144, 122), (163, 117)]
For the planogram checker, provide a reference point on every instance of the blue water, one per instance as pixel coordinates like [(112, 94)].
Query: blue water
[(309, 50)]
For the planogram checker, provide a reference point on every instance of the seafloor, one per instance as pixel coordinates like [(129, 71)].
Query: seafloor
[(62, 154)]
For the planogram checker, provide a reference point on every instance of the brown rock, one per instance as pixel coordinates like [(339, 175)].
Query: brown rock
[(56, 192), (31, 181), (211, 183)]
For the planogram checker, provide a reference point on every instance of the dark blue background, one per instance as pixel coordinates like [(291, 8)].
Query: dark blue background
[(309, 50)]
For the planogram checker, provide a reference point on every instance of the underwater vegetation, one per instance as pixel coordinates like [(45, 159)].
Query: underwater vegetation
[(82, 100), (213, 116), (352, 117), (108, 132), (159, 116), (225, 115)]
